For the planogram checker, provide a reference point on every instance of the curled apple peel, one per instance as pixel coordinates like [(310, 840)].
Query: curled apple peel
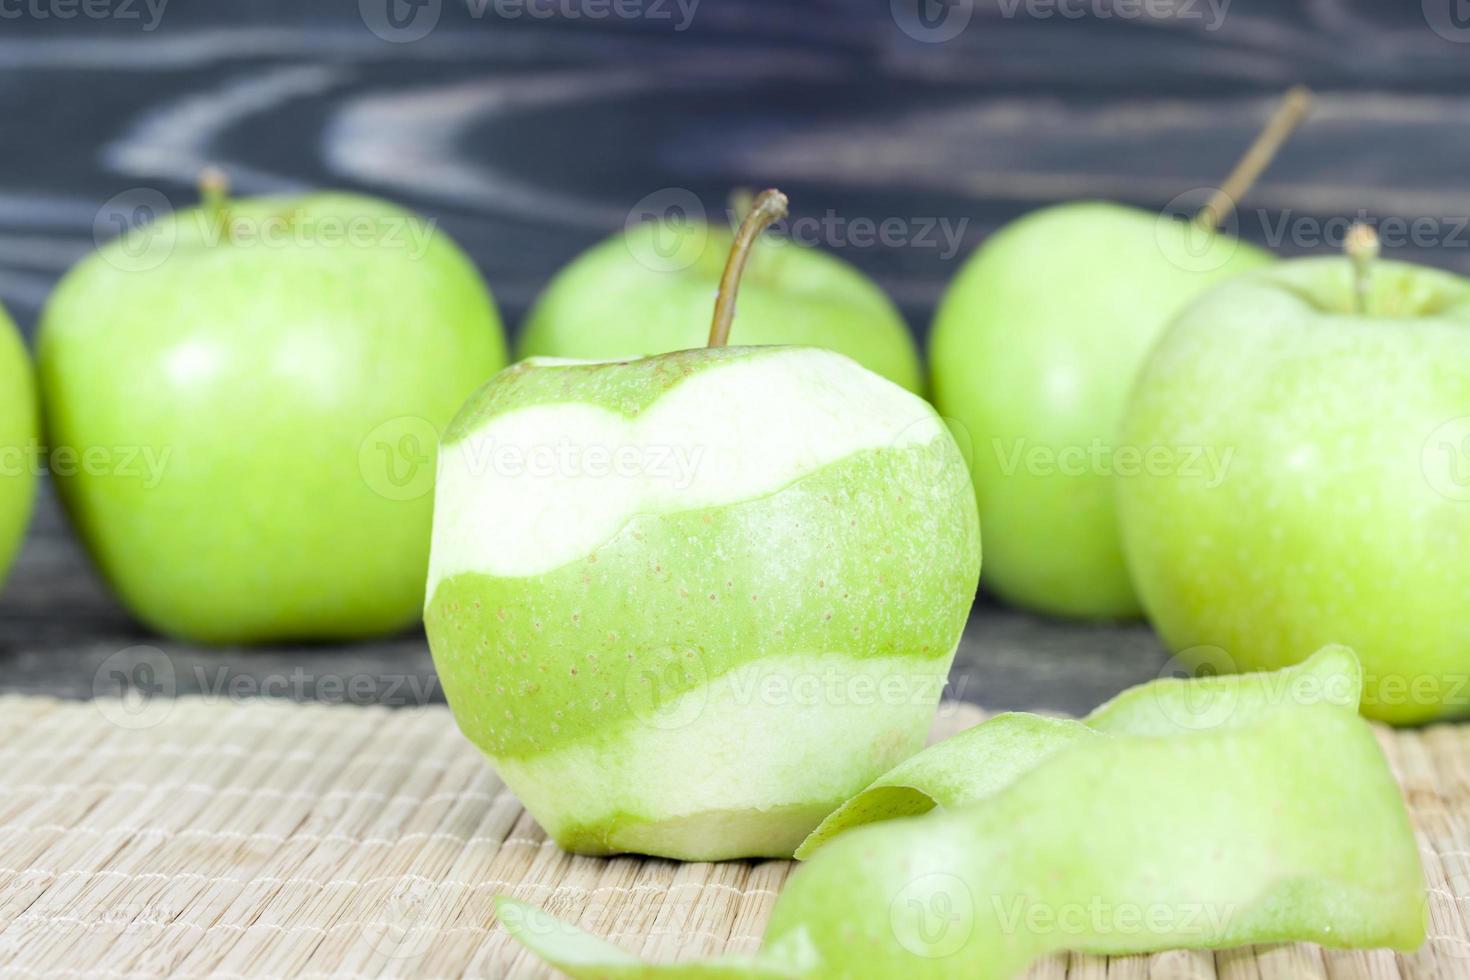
[(985, 759), (1128, 833)]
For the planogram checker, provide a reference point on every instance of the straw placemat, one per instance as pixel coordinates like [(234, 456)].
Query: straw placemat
[(269, 839)]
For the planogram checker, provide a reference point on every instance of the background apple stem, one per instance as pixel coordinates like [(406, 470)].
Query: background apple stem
[(214, 196), (1288, 115), (768, 206), (1362, 246)]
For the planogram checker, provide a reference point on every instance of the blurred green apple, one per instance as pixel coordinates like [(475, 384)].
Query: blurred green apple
[(1343, 513), (648, 291), (19, 441), (690, 603), (1033, 351), (1035, 345), (243, 402)]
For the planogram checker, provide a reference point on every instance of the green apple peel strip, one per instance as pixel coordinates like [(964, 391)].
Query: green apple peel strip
[(1288, 116), (985, 759), (768, 206), (1220, 836)]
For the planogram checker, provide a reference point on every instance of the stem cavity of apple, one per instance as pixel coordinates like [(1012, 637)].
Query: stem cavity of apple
[(1288, 115), (214, 197), (1362, 247), (768, 206)]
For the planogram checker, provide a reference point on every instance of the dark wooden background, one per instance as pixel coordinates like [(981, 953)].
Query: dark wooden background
[(528, 128)]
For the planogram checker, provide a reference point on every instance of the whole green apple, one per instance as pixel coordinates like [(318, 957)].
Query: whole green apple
[(1342, 512), (648, 291), (243, 402), (688, 604), (1034, 347), (19, 441)]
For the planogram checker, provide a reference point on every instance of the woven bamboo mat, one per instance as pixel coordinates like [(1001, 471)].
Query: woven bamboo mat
[(269, 839)]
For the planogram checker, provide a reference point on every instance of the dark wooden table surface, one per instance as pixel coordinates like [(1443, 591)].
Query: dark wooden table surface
[(529, 128)]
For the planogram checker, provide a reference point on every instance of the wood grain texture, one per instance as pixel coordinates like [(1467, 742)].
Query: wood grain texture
[(530, 137)]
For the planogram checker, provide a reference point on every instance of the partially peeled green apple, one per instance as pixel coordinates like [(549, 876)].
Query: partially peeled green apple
[(690, 603), (18, 441)]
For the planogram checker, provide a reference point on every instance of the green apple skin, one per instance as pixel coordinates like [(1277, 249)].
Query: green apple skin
[(1337, 518), (263, 378), (699, 667), (648, 291), (19, 440), (1034, 348)]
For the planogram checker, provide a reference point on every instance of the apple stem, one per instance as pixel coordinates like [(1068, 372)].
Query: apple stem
[(1288, 115), (1362, 247), (214, 197), (768, 206)]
